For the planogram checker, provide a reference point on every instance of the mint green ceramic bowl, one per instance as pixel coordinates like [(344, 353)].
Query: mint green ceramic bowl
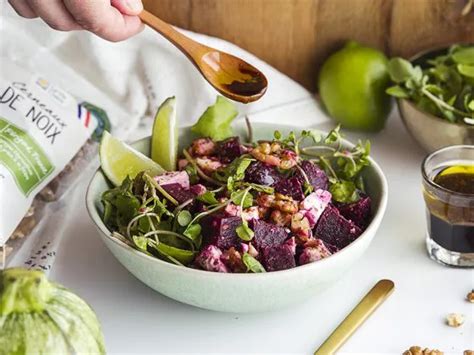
[(239, 292)]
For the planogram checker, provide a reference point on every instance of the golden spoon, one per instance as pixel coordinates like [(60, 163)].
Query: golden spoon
[(231, 76), (374, 298)]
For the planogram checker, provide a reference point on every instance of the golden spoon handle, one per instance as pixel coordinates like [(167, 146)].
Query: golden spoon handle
[(374, 298)]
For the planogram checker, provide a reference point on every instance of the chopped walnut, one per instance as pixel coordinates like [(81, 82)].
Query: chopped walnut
[(470, 296), (278, 201), (455, 319), (416, 350), (280, 218)]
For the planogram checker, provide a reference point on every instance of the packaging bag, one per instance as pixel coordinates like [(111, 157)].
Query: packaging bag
[(47, 138)]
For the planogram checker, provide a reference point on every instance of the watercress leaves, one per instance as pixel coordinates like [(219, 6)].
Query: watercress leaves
[(252, 264), (216, 121), (443, 86)]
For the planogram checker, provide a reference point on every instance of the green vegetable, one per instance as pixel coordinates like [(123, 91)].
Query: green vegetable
[(344, 191), (142, 219), (208, 197), (216, 120), (244, 232), (343, 166), (444, 86), (40, 317), (252, 264), (184, 218)]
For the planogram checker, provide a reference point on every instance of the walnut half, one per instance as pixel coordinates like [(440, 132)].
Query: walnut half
[(416, 350), (455, 319)]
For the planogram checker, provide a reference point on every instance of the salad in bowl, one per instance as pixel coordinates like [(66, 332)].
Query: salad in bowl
[(256, 206), (236, 199)]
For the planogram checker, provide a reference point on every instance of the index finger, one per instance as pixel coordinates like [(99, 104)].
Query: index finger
[(101, 18)]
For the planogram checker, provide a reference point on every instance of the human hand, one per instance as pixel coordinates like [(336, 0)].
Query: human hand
[(113, 20)]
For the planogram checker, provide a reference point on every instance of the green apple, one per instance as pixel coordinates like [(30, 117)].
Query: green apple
[(352, 85)]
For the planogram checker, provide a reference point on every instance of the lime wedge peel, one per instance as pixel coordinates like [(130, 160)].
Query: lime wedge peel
[(164, 138), (118, 160)]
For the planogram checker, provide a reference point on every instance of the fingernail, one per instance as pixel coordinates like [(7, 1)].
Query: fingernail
[(135, 6)]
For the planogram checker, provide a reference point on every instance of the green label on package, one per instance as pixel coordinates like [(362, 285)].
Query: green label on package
[(23, 157)]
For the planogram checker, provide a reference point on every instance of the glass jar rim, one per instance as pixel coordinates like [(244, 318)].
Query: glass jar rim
[(433, 154)]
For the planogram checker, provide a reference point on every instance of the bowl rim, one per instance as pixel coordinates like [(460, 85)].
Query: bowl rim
[(370, 230), (431, 116), (438, 119)]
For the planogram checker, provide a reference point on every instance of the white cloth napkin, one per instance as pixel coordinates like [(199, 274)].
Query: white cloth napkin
[(129, 80)]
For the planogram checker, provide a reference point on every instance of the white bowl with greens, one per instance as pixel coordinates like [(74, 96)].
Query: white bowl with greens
[(236, 291)]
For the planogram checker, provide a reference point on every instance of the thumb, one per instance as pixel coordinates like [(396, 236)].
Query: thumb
[(128, 7)]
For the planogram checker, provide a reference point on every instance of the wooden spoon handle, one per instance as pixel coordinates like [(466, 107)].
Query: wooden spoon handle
[(374, 298), (185, 44)]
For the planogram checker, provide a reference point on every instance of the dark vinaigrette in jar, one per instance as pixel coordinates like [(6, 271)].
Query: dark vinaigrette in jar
[(449, 224)]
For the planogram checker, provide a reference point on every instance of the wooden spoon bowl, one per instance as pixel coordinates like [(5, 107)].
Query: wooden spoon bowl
[(231, 76)]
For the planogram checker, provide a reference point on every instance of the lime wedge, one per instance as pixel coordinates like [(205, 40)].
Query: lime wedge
[(118, 160), (164, 138)]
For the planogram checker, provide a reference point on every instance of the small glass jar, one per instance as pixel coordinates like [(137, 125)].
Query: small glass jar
[(450, 213)]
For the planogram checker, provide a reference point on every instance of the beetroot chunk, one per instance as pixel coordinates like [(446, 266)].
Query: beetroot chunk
[(267, 235), (221, 231), (316, 177), (229, 149), (291, 187), (280, 257), (336, 230), (262, 174), (358, 212), (177, 192), (210, 259)]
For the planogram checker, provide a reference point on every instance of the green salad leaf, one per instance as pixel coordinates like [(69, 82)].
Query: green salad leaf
[(244, 232), (208, 197), (252, 264), (216, 121)]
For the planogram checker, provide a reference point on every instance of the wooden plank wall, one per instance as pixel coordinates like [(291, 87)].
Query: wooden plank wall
[(296, 36)]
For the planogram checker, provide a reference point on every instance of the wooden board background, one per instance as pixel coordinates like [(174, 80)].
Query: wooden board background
[(296, 36)]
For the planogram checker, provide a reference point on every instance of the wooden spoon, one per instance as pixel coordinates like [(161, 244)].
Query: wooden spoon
[(231, 76)]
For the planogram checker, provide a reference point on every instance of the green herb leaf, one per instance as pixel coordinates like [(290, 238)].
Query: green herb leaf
[(192, 173), (216, 121), (242, 198), (400, 70), (193, 232), (244, 232), (184, 257), (464, 55), (344, 192), (252, 264), (184, 218), (260, 188), (208, 197), (466, 70), (236, 169), (398, 91), (140, 242)]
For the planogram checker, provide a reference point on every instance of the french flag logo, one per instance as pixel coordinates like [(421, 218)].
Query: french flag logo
[(83, 115)]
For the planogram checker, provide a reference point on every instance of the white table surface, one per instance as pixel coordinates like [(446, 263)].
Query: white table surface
[(136, 319)]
